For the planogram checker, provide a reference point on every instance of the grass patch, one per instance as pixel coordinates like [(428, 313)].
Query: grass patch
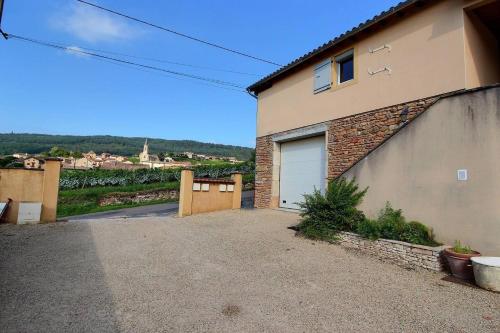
[(85, 201)]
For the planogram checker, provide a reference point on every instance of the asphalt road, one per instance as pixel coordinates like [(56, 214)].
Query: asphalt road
[(164, 209)]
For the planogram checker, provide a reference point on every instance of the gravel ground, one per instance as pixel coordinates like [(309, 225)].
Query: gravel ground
[(233, 271)]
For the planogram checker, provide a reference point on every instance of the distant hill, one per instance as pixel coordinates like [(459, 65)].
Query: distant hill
[(37, 143)]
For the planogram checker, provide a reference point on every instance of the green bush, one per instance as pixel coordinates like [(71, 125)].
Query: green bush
[(417, 233), (391, 224), (324, 215), (369, 229)]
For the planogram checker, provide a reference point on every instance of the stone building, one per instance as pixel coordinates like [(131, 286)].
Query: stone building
[(145, 156), (33, 163)]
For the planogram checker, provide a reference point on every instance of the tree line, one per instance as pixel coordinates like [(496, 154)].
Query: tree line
[(11, 143)]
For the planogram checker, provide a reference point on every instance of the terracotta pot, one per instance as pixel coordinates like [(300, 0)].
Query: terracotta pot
[(460, 264)]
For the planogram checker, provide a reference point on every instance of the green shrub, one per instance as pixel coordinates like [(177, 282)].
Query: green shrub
[(324, 215), (391, 222), (417, 233), (369, 229)]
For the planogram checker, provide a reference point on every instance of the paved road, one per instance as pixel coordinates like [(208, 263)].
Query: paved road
[(143, 211), (164, 209)]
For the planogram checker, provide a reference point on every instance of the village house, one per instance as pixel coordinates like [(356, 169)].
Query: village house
[(406, 102), (21, 155), (33, 162)]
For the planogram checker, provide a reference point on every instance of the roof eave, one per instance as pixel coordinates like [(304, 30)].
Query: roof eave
[(266, 82)]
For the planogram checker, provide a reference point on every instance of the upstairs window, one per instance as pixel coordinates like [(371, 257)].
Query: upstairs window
[(322, 76), (345, 66)]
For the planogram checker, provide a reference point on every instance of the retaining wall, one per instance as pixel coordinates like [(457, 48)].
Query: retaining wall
[(400, 253)]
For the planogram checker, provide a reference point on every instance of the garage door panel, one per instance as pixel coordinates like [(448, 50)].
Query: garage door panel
[(302, 169)]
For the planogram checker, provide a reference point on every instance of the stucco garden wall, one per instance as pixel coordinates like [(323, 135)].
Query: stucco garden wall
[(31, 185), (416, 170)]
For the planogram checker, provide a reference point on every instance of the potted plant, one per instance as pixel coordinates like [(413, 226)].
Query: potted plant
[(458, 258)]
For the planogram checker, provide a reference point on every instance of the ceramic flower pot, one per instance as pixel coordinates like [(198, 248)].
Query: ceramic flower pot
[(460, 264)]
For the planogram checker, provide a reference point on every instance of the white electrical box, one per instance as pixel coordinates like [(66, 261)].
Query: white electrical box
[(29, 212), (462, 175)]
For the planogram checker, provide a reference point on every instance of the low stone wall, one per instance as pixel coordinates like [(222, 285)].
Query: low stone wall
[(400, 253), (138, 197)]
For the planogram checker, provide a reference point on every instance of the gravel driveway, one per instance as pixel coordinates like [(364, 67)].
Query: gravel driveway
[(233, 271)]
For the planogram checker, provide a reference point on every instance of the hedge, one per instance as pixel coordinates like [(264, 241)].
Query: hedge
[(73, 179)]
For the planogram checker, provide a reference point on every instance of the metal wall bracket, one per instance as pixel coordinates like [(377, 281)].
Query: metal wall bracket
[(380, 70), (380, 48)]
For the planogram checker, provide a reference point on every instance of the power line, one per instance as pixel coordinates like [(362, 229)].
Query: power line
[(1, 15), (169, 75), (178, 33), (138, 65), (168, 61)]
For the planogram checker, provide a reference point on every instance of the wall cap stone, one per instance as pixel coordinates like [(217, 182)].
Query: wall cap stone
[(438, 248)]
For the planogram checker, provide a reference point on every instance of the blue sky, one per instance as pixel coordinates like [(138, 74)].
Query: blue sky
[(55, 92)]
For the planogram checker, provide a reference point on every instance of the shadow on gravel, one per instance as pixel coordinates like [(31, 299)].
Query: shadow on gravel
[(51, 280)]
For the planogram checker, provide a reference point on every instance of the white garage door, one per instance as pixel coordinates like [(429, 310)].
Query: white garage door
[(302, 169)]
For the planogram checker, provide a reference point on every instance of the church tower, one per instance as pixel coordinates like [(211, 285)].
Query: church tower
[(144, 156), (145, 150)]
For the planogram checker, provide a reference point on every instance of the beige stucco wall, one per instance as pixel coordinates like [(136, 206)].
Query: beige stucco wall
[(416, 170), (195, 202), (426, 59), (211, 201), (35, 185), (482, 53)]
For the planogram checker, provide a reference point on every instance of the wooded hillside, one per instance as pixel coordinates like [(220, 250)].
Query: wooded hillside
[(38, 143)]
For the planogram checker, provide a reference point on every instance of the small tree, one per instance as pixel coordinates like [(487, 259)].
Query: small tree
[(59, 152), (76, 154), (324, 215)]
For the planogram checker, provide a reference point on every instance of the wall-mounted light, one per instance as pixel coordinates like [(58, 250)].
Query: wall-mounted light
[(403, 116)]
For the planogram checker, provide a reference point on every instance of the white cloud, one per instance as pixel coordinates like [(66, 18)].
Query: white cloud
[(92, 25), (76, 51)]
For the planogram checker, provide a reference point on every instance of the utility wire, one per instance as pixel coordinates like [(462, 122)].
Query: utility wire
[(178, 33), (168, 75), (117, 60), (167, 61)]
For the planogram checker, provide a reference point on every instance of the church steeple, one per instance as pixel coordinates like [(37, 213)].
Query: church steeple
[(145, 150)]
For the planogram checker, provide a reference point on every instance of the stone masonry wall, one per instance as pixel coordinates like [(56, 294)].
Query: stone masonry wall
[(349, 140), (137, 197), (401, 253), (263, 171)]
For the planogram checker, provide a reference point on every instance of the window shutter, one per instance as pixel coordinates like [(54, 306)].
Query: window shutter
[(322, 76)]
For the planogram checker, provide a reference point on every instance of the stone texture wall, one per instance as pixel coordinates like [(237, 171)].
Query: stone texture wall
[(401, 253), (263, 171), (349, 140), (137, 197)]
